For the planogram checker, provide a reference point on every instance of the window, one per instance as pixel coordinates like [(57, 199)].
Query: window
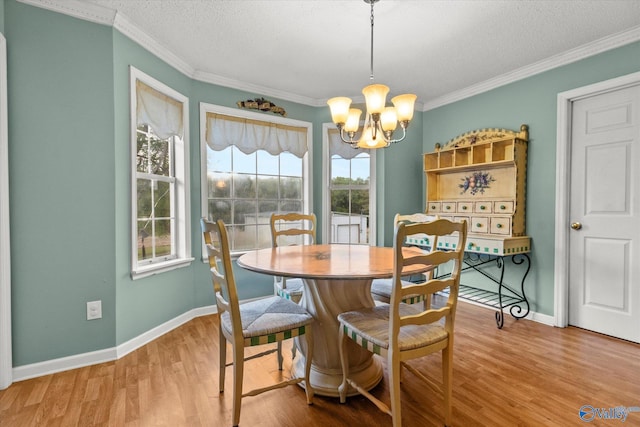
[(160, 164), (349, 201), (253, 165)]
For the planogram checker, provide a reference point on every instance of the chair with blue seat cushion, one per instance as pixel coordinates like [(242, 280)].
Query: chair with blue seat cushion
[(264, 321), (399, 332)]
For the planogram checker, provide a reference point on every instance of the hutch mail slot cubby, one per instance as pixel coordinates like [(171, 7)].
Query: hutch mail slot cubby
[(480, 177)]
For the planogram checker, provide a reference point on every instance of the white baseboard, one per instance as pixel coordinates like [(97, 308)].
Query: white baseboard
[(53, 366), (536, 317)]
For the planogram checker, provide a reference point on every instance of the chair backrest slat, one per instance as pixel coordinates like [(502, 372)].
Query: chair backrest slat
[(435, 258), (293, 224), (224, 285)]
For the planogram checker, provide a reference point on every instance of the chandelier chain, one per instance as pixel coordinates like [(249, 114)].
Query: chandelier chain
[(371, 77)]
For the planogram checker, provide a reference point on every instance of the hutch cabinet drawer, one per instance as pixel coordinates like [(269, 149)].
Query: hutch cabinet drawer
[(483, 207), (465, 207), (434, 207), (449, 207), (479, 224), (501, 225), (461, 218), (503, 206)]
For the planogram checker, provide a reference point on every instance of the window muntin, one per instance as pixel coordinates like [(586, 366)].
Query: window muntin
[(160, 220), (245, 189)]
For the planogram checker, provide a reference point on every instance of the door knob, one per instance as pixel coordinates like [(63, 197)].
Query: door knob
[(576, 225)]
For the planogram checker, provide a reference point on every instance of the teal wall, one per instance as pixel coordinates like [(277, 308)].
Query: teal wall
[(532, 101), (68, 89), (61, 161)]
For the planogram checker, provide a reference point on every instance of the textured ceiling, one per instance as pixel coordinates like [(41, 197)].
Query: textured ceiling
[(316, 49)]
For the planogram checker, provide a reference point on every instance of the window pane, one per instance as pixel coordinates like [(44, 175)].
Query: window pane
[(340, 201), (243, 163), (244, 212), (291, 206), (219, 161), (162, 200), (264, 236), (163, 237), (244, 186), (159, 156), (145, 240), (360, 202), (220, 209), (142, 157), (267, 207), (219, 184), (267, 187), (290, 188), (245, 238), (339, 168), (290, 165), (360, 169), (267, 163), (144, 198)]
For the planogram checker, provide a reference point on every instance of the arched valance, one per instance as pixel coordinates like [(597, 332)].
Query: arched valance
[(250, 135), (339, 148)]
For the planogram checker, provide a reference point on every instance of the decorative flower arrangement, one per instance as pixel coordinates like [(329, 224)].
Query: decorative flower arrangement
[(476, 183)]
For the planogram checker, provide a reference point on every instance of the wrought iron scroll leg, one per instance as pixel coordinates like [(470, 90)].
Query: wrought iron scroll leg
[(500, 313)]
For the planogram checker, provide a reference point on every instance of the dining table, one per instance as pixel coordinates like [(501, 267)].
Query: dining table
[(337, 278)]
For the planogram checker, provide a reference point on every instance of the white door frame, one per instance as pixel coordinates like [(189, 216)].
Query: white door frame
[(6, 377), (563, 185)]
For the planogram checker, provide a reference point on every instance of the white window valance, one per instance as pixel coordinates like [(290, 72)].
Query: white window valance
[(338, 148), (161, 112), (250, 135)]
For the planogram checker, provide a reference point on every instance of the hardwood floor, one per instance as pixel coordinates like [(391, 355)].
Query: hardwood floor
[(526, 374)]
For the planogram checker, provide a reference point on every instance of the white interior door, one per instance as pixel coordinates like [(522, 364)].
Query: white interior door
[(604, 214)]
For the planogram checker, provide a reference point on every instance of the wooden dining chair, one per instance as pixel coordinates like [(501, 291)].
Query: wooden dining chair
[(400, 332), (291, 229), (260, 322), (381, 288)]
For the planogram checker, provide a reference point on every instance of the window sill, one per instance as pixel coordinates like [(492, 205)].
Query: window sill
[(150, 270)]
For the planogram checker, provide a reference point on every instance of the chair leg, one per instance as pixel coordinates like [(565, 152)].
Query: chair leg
[(223, 359), (238, 373), (394, 388), (279, 353), (447, 381), (307, 367), (344, 360)]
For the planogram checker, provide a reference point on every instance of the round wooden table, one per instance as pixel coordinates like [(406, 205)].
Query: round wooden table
[(337, 278)]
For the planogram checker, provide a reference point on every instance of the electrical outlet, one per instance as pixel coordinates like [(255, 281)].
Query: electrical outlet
[(94, 310)]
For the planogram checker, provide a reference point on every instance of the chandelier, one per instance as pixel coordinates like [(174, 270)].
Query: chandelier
[(380, 121)]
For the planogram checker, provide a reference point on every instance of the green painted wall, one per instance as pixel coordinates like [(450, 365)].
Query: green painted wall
[(532, 101), (61, 157)]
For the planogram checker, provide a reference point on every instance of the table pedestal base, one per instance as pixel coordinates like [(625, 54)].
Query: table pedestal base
[(325, 299), (326, 383)]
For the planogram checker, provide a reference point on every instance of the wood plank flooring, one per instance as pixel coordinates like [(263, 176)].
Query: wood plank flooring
[(526, 374)]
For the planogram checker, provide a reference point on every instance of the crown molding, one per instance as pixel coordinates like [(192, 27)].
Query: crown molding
[(602, 45), (105, 16)]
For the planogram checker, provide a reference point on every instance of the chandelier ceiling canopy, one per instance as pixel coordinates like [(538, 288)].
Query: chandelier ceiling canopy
[(380, 120)]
